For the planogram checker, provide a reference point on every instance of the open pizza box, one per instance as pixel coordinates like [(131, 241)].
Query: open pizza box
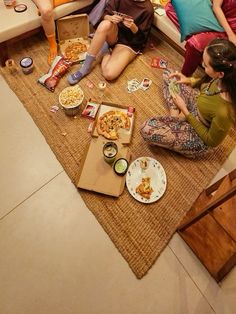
[(73, 32), (96, 174), (125, 136)]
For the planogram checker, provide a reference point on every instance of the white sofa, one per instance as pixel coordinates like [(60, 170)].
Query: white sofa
[(13, 25), (168, 30)]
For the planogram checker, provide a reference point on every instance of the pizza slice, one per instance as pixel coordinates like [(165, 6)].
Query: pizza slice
[(144, 188), (111, 122)]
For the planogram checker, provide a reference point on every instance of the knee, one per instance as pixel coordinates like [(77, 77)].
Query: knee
[(47, 13), (104, 26), (109, 74), (145, 131)]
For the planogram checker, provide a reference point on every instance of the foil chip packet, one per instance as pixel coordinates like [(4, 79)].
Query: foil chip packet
[(58, 68)]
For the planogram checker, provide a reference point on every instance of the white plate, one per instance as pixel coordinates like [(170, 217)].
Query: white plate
[(158, 179)]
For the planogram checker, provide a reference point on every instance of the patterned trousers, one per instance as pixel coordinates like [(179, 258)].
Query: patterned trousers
[(175, 133)]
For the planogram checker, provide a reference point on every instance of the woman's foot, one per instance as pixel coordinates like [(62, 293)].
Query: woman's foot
[(75, 78), (175, 112), (52, 48), (85, 69), (52, 55)]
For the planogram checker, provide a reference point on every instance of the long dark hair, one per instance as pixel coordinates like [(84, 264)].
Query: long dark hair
[(222, 53)]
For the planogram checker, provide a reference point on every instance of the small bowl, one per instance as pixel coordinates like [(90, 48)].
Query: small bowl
[(121, 166), (70, 98)]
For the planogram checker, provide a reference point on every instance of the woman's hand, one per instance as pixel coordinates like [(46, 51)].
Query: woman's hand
[(181, 79), (179, 102), (114, 18), (129, 23)]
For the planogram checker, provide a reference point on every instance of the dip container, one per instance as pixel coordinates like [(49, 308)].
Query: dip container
[(121, 166), (27, 65), (110, 151)]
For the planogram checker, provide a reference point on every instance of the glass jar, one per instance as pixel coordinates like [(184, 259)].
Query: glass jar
[(110, 150), (27, 65)]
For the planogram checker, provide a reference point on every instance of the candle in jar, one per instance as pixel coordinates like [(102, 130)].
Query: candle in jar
[(110, 150)]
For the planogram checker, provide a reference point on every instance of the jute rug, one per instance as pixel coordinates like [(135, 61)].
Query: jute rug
[(140, 232)]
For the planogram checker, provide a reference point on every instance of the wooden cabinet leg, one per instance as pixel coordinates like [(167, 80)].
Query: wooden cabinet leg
[(3, 53)]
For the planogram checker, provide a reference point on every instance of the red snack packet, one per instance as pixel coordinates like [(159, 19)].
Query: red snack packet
[(130, 111), (58, 68), (159, 63)]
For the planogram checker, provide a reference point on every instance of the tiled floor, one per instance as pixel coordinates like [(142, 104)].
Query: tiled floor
[(56, 259)]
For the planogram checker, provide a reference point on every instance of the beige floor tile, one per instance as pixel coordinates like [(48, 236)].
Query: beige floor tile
[(26, 162), (229, 165), (220, 296), (56, 259)]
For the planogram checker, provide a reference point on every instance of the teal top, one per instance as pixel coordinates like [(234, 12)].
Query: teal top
[(217, 115)]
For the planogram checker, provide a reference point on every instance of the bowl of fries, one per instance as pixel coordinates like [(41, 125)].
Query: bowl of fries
[(70, 98)]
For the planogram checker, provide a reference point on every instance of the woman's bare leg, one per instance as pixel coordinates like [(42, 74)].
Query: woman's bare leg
[(113, 65), (105, 33), (46, 10)]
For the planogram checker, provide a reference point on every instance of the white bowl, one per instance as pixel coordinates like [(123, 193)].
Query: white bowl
[(70, 98)]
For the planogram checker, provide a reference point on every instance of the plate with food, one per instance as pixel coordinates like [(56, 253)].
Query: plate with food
[(146, 180)]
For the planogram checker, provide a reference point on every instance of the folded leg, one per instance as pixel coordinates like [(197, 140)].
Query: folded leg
[(174, 134)]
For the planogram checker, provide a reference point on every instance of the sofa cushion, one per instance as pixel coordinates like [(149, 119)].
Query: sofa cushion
[(164, 24), (195, 16)]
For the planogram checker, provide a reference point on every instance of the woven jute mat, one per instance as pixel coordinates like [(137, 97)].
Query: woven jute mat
[(140, 232)]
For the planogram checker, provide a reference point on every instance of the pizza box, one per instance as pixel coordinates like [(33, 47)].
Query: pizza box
[(96, 174), (125, 136), (73, 30)]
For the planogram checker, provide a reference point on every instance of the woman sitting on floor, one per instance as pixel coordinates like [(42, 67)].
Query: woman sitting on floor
[(46, 10), (225, 11), (126, 33), (205, 116)]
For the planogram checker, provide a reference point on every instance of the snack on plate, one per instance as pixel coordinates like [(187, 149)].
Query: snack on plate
[(58, 68), (71, 96), (110, 122), (144, 188), (144, 163), (73, 51)]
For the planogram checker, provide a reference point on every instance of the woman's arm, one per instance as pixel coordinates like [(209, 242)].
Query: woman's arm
[(216, 6), (215, 134)]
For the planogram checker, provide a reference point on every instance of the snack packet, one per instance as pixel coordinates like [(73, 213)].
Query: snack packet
[(58, 68)]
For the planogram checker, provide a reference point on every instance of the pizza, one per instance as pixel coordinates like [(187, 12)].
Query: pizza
[(144, 188), (111, 122), (73, 51)]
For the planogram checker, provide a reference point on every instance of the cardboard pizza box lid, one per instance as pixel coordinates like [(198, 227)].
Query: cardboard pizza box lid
[(96, 174), (73, 27), (125, 136)]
